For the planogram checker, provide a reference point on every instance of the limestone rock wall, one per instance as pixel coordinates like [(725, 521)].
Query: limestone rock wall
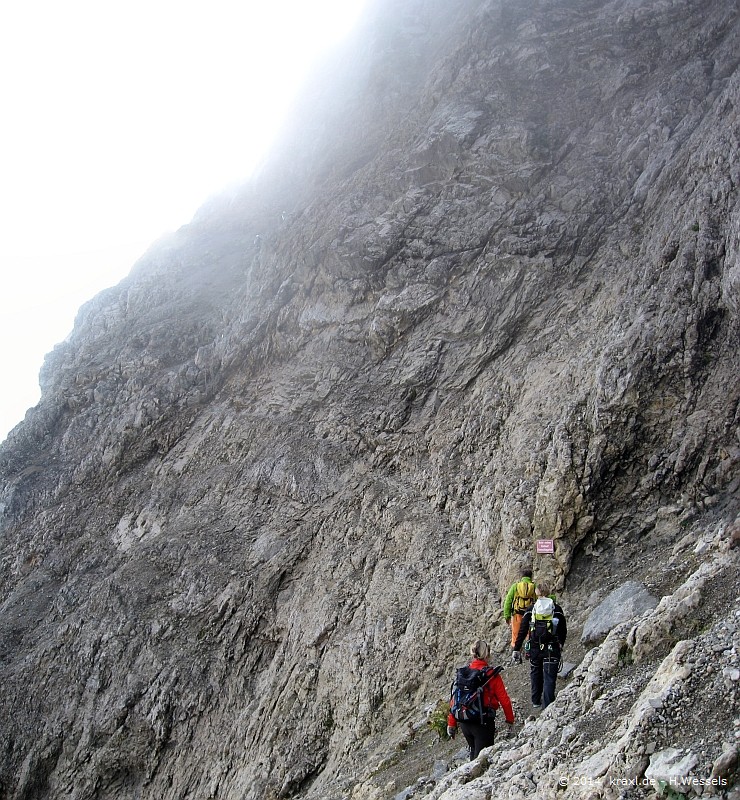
[(485, 292)]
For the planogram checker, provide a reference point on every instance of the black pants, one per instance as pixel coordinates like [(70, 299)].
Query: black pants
[(543, 673), (478, 736)]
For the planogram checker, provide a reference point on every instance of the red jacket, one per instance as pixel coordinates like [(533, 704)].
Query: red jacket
[(494, 695)]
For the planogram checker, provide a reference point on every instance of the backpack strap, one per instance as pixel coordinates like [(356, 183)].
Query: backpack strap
[(491, 673)]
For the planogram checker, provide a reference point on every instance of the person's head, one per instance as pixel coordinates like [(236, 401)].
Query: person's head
[(479, 649), (542, 590), (526, 573)]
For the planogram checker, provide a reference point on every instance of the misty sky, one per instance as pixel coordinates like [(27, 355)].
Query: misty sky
[(119, 120)]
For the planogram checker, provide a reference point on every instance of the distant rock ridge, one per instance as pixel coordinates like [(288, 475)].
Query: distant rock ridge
[(484, 291)]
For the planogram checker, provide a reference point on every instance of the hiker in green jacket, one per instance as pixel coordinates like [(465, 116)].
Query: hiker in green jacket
[(519, 598)]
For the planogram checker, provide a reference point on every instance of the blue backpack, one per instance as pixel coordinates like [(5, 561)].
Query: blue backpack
[(466, 702)]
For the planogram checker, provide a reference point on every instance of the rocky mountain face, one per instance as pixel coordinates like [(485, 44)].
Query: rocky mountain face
[(485, 291)]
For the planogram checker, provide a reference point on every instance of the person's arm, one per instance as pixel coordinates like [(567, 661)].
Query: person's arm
[(499, 690), (509, 602), (562, 629), (451, 723)]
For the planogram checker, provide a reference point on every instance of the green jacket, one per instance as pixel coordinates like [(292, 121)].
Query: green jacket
[(509, 599)]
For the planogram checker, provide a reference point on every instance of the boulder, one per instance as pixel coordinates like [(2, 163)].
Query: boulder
[(627, 602), (669, 769)]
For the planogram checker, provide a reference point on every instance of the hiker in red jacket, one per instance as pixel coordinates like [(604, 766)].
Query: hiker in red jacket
[(481, 733)]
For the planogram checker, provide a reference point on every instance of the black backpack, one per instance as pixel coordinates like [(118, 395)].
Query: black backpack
[(542, 633), (467, 694)]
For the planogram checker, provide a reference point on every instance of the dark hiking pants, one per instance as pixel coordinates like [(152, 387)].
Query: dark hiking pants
[(543, 673), (478, 736)]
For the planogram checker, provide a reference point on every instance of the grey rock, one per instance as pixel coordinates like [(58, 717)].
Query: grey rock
[(567, 669), (439, 769), (669, 766), (726, 763), (627, 602)]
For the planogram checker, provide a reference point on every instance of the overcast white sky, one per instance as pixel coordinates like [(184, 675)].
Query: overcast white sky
[(118, 121)]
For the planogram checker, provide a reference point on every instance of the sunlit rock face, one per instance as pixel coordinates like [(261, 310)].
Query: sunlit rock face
[(485, 292)]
